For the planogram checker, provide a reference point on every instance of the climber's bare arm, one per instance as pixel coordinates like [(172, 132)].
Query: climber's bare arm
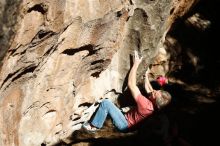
[(147, 83), (132, 76)]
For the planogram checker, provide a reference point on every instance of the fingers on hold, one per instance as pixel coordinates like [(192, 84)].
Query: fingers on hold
[(135, 54)]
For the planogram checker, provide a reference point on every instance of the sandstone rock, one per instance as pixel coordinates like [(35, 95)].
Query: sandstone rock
[(68, 55)]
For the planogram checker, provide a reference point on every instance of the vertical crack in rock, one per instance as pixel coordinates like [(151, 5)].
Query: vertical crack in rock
[(131, 2)]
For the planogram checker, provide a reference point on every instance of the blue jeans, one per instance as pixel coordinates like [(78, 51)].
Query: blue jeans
[(107, 107)]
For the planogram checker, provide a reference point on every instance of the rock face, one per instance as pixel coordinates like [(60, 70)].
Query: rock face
[(8, 18), (66, 55)]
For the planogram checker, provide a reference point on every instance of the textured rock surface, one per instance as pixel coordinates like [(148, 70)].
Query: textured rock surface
[(67, 55), (8, 19)]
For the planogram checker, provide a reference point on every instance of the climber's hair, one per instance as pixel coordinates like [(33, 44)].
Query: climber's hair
[(163, 100)]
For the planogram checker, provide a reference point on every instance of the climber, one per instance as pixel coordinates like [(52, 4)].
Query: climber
[(156, 100)]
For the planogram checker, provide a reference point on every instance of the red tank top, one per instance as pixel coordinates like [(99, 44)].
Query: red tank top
[(143, 109)]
